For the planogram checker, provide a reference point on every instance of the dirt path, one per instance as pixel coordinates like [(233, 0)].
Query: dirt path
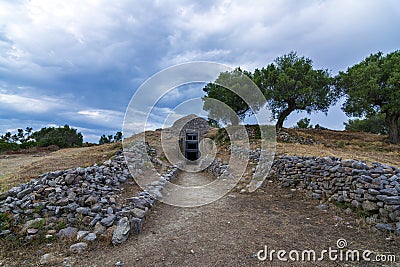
[(230, 231), (193, 179)]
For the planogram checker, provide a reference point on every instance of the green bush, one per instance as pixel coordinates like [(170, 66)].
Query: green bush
[(62, 137), (303, 124), (5, 146), (372, 124)]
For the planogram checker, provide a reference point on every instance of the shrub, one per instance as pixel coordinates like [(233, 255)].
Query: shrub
[(62, 137), (303, 124)]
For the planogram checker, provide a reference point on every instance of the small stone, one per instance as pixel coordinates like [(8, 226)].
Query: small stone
[(30, 223), (348, 211), (99, 228), (355, 203), (69, 179), (91, 200), (48, 258), (90, 237), (83, 210), (81, 234), (62, 202), (138, 213), (78, 247), (67, 232), (5, 232), (96, 208), (110, 210), (32, 231), (108, 221), (316, 195), (390, 200), (322, 207), (369, 206)]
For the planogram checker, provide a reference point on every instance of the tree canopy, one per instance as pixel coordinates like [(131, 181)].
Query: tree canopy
[(373, 86), (291, 83), (240, 83), (61, 137), (106, 139)]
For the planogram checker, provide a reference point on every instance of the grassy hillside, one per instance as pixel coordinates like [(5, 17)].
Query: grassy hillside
[(15, 169), (18, 168)]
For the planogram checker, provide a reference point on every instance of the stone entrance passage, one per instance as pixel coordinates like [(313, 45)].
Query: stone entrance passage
[(192, 129), (192, 146)]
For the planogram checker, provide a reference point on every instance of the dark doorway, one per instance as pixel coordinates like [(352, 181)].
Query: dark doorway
[(191, 156), (191, 146)]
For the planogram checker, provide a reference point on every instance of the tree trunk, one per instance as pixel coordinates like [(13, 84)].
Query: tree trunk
[(282, 117), (392, 122)]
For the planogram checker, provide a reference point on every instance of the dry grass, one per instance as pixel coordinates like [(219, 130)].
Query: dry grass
[(389, 158), (15, 169), (347, 145)]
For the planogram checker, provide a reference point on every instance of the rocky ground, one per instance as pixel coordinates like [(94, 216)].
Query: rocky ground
[(230, 231)]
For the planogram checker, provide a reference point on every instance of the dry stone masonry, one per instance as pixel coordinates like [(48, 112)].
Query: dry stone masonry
[(373, 188), (77, 203)]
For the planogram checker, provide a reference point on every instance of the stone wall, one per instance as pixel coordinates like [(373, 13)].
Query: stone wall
[(81, 202), (373, 188)]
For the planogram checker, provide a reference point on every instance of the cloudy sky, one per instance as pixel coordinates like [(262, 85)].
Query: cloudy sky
[(80, 62)]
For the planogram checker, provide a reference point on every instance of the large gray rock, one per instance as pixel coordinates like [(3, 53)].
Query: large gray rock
[(136, 225), (390, 200), (385, 227), (389, 191), (121, 232), (24, 193)]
